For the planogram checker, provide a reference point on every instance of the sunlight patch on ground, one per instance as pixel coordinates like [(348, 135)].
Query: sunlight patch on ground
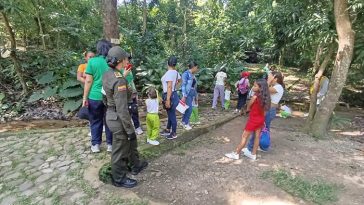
[(239, 198), (352, 133)]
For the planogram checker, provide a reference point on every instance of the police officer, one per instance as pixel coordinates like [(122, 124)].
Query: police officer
[(118, 119)]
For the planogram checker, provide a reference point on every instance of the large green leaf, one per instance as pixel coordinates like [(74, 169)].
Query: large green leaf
[(49, 92), (46, 78), (71, 105), (2, 96), (70, 83), (37, 95), (71, 92)]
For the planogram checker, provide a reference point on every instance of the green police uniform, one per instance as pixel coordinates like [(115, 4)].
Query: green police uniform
[(124, 147)]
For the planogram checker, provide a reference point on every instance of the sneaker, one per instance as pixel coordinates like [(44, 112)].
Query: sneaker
[(262, 150), (95, 148), (152, 142), (187, 127), (172, 136), (139, 131), (89, 134), (244, 150), (109, 148), (250, 155), (232, 155), (165, 132), (236, 111)]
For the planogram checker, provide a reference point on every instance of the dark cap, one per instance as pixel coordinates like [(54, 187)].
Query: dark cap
[(118, 53)]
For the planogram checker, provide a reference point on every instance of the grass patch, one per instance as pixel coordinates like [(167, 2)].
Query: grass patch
[(24, 201), (116, 200), (316, 191)]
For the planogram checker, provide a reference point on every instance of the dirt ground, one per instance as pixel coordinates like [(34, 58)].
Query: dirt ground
[(198, 173)]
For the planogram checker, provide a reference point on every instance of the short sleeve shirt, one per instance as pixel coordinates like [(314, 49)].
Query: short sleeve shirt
[(96, 67), (152, 105), (82, 68), (170, 75), (276, 97), (220, 78)]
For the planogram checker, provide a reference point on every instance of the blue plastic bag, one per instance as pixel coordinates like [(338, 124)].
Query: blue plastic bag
[(264, 142)]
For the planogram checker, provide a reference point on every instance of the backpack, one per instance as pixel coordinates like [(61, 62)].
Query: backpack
[(243, 87)]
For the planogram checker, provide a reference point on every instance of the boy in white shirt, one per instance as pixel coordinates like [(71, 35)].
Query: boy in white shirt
[(219, 88), (153, 122)]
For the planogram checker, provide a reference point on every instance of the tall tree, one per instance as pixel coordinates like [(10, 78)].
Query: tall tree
[(342, 63), (110, 19), (13, 55), (144, 16)]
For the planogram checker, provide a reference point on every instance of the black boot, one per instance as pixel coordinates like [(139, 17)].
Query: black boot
[(126, 183), (138, 169)]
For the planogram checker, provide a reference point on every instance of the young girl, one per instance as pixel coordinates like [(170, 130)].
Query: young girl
[(227, 97), (194, 116), (258, 105), (153, 122)]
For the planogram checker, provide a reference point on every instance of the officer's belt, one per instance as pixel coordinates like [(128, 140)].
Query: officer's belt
[(111, 108)]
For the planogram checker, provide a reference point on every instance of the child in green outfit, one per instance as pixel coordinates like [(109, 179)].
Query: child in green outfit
[(227, 97), (194, 119), (153, 122)]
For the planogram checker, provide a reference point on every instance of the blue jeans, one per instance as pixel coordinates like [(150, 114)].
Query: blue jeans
[(171, 112), (241, 100), (271, 114), (133, 110), (188, 112), (97, 121)]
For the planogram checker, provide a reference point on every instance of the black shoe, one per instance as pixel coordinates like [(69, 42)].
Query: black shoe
[(172, 136), (165, 132), (126, 183), (137, 170)]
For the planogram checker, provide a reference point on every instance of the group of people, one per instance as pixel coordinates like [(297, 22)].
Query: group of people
[(111, 97)]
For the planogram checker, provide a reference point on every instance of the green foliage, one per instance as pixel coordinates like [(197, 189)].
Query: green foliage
[(318, 192), (71, 105)]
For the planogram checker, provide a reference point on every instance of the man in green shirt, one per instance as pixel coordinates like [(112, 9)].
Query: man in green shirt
[(92, 96)]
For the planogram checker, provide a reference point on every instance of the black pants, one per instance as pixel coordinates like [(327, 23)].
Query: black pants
[(241, 100), (133, 110)]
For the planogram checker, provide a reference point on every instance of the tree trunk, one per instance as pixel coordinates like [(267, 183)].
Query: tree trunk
[(316, 64), (281, 57), (342, 63), (110, 20), (41, 31), (184, 31), (313, 96), (13, 55), (144, 16)]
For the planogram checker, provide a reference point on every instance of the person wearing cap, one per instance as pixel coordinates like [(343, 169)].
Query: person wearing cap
[(243, 89), (92, 96), (118, 119)]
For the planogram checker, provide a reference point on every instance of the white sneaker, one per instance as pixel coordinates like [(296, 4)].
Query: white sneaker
[(95, 148), (232, 155), (250, 155), (139, 131), (187, 127), (109, 148), (244, 150), (236, 111), (89, 134), (152, 142)]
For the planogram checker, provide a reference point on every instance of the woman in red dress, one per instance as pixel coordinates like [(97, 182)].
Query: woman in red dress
[(258, 105)]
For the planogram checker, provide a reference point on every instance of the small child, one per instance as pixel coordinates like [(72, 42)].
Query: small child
[(227, 97), (258, 105), (194, 119), (153, 122)]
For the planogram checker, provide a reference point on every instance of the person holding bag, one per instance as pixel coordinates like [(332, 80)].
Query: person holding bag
[(170, 80)]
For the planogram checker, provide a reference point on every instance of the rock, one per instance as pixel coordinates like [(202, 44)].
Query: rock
[(158, 174), (28, 192), (52, 189), (8, 200), (16, 182), (43, 166), (78, 195), (25, 186), (43, 178), (206, 192), (48, 201), (36, 163), (46, 171), (52, 158), (64, 168), (43, 142), (12, 176), (5, 164), (65, 163)]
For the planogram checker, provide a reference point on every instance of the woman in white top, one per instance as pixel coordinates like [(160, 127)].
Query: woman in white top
[(219, 88), (170, 81)]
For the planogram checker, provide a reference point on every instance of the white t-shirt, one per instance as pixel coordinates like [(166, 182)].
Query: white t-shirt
[(227, 94), (220, 76), (276, 97), (170, 75), (152, 105)]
